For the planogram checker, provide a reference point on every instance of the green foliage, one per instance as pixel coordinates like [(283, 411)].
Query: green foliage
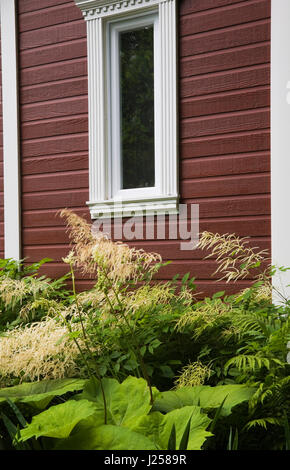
[(206, 397), (24, 295), (40, 394), (154, 368), (150, 432), (233, 443), (17, 269), (146, 336), (125, 402), (243, 338), (287, 431), (131, 423), (59, 420)]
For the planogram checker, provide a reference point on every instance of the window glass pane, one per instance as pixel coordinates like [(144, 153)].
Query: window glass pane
[(137, 108)]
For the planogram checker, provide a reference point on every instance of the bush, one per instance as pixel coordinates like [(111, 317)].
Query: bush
[(25, 298), (158, 333)]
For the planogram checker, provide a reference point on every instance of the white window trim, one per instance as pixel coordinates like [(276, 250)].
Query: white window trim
[(10, 111), (103, 198)]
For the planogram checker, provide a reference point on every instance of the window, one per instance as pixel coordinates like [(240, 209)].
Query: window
[(132, 106), (133, 134)]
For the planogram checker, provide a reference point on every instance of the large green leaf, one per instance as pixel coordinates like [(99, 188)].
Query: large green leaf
[(58, 421), (158, 427), (105, 437), (204, 396), (39, 394), (150, 426), (149, 432), (125, 402)]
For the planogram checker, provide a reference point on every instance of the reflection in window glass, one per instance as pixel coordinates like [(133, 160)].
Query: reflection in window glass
[(137, 108)]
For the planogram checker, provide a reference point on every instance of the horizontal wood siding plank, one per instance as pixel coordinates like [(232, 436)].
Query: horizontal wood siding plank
[(53, 35), (52, 72), (54, 53), (223, 124), (222, 39), (52, 182), (55, 127), (225, 186), (234, 14), (55, 145), (53, 90), (66, 162), (226, 144), (225, 102), (59, 14), (49, 217), (55, 199), (233, 206), (225, 165), (55, 108), (225, 81), (228, 59), (192, 6), (34, 5)]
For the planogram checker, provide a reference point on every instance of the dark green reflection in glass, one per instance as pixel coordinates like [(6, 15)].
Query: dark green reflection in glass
[(137, 108)]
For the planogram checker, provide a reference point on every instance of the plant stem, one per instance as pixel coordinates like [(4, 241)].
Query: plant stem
[(136, 344), (77, 344), (86, 344), (76, 301)]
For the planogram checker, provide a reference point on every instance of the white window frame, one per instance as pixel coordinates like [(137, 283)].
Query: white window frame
[(113, 30), (105, 19)]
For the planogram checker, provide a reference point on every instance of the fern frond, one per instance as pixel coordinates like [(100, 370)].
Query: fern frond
[(245, 363), (262, 422)]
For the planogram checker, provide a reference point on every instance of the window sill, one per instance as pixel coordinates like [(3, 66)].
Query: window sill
[(134, 207)]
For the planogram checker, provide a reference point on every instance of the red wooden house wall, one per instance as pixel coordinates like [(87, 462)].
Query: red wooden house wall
[(224, 99)]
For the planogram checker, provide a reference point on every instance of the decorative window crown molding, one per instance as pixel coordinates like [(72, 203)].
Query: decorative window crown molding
[(99, 8)]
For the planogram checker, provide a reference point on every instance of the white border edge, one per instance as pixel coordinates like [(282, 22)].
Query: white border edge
[(10, 111), (280, 144)]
